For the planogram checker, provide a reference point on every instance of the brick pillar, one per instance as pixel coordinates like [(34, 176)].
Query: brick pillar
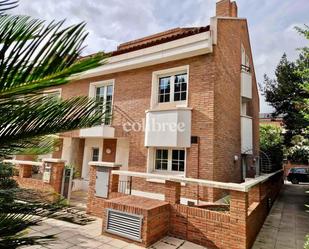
[(56, 176), (25, 171), (172, 192), (255, 194), (239, 215), (113, 181), (91, 188), (57, 167), (112, 185)]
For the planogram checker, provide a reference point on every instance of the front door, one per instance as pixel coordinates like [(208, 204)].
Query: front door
[(101, 184), (109, 150)]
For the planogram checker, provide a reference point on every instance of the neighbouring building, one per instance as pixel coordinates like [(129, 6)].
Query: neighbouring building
[(270, 119), (181, 102)]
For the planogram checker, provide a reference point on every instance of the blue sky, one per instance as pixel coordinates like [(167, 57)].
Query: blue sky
[(110, 22)]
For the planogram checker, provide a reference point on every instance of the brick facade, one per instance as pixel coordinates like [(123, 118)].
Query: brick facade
[(226, 8), (214, 96), (36, 184)]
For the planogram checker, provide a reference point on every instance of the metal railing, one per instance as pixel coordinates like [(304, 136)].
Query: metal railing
[(245, 68), (125, 186)]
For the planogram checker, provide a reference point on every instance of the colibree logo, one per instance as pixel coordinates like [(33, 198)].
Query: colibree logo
[(153, 126)]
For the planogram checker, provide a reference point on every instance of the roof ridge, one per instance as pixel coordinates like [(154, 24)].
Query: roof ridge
[(156, 39)]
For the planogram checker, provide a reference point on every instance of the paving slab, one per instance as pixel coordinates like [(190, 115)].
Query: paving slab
[(288, 222), (74, 236)]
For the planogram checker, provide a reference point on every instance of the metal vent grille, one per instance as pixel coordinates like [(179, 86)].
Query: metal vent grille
[(124, 224)]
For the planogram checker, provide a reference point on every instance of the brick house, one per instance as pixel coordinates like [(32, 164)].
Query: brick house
[(182, 102)]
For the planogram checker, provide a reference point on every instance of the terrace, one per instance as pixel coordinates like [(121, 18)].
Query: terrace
[(145, 220)]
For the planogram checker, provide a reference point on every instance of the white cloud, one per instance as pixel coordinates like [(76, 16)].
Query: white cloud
[(111, 22)]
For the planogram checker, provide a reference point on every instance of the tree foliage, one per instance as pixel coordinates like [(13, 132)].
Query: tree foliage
[(303, 72), (271, 143), (288, 92), (299, 151)]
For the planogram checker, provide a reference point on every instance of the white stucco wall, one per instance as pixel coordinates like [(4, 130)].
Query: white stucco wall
[(122, 155), (89, 144)]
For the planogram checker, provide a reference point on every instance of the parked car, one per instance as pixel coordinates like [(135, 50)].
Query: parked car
[(297, 175)]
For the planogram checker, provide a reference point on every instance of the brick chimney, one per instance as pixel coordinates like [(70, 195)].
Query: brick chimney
[(226, 8)]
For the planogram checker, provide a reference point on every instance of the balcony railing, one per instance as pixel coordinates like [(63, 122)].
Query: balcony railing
[(245, 68)]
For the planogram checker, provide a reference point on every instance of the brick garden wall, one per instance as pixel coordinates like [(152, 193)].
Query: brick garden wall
[(203, 227), (33, 184), (233, 229), (24, 179), (226, 230)]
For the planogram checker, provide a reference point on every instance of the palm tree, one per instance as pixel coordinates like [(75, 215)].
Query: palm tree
[(35, 56)]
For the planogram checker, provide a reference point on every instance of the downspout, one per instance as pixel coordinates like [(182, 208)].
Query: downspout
[(198, 169)]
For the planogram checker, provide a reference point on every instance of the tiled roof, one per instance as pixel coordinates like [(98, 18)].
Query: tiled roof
[(159, 38), (156, 39)]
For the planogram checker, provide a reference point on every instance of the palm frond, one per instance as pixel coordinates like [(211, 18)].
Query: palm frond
[(32, 116), (34, 56), (19, 240), (36, 146), (7, 5)]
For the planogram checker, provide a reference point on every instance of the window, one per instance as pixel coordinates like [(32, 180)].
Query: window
[(103, 93), (180, 87), (178, 160), (161, 159), (95, 154), (300, 170), (170, 86), (164, 89), (170, 160), (245, 62)]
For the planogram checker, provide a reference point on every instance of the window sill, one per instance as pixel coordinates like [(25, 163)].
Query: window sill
[(159, 108)]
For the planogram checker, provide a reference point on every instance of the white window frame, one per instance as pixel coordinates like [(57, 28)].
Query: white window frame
[(94, 85), (244, 57), (169, 161), (92, 154), (155, 87)]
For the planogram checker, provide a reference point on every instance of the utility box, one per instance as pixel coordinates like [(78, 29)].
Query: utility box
[(101, 184), (47, 173)]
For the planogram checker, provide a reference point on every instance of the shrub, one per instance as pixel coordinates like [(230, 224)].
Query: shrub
[(271, 143), (299, 152)]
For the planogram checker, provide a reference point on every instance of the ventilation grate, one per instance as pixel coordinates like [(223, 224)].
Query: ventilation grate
[(124, 224)]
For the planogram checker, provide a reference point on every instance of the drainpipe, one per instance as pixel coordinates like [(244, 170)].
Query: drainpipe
[(198, 169)]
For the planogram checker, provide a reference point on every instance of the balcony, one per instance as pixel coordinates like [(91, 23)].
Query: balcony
[(104, 131), (246, 82), (246, 135), (168, 128)]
